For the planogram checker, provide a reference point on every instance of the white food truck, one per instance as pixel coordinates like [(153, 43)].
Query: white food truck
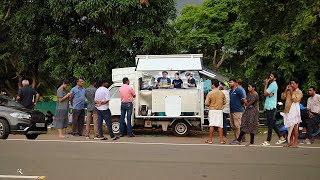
[(166, 108)]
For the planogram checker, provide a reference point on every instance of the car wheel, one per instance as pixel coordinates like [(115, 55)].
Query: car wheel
[(4, 129), (180, 128), (32, 136)]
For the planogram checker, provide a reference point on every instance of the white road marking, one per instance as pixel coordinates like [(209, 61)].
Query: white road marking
[(21, 177), (151, 143)]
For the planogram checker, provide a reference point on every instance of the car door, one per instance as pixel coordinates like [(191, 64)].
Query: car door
[(115, 101)]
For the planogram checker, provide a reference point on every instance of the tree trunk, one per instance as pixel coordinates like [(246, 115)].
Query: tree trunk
[(216, 61), (35, 73)]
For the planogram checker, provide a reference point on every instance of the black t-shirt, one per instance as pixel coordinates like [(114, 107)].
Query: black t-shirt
[(27, 96), (177, 83), (192, 81)]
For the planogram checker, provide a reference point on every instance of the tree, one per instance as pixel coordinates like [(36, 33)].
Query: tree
[(92, 37), (284, 36), (203, 29)]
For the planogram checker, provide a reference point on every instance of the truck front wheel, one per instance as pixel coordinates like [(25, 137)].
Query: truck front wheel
[(181, 128)]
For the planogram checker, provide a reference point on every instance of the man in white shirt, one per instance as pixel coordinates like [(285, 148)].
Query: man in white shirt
[(313, 107), (102, 99)]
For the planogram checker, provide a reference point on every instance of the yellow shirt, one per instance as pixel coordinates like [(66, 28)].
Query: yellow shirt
[(295, 97), (215, 100)]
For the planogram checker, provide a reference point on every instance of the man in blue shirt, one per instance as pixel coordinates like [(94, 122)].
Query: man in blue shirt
[(78, 94), (271, 93), (237, 98)]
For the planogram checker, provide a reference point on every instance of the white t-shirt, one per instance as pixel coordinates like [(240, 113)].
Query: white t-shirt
[(226, 108), (102, 94), (314, 103)]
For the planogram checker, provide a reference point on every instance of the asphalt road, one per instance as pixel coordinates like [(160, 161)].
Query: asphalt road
[(82, 160)]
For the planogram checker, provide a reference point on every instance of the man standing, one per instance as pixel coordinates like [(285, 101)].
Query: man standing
[(292, 117), (102, 99), (127, 94), (271, 93), (91, 110), (313, 107), (226, 109), (236, 107), (77, 102), (27, 96), (215, 100), (239, 84), (164, 81), (191, 82)]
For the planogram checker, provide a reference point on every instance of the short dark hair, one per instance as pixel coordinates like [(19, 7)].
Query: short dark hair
[(65, 82), (312, 87), (125, 80), (176, 74), (253, 85), (233, 79), (274, 73), (92, 81), (215, 82), (164, 72), (296, 80), (102, 81)]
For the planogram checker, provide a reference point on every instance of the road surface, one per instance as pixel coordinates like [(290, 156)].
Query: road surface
[(164, 158)]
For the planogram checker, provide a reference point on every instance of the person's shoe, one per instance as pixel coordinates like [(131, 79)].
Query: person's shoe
[(104, 139), (115, 138), (121, 135), (79, 134), (75, 135), (87, 137), (132, 135), (99, 138), (266, 143), (235, 143), (280, 141)]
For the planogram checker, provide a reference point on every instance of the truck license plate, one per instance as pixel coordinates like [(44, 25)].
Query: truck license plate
[(40, 125)]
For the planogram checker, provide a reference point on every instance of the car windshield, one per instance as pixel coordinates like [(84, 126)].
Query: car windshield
[(6, 101)]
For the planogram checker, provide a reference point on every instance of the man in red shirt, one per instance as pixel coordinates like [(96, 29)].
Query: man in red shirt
[(127, 95)]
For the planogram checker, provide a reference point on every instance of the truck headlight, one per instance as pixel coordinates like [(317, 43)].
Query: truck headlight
[(20, 115)]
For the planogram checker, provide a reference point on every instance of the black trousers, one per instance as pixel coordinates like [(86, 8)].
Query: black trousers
[(271, 122), (242, 135)]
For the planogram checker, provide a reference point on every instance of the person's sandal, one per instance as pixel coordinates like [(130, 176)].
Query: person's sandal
[(208, 142), (265, 143)]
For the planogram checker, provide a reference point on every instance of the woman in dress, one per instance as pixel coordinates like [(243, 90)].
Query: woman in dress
[(250, 118), (61, 118)]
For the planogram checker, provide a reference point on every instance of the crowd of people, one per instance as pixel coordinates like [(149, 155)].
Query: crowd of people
[(242, 108)]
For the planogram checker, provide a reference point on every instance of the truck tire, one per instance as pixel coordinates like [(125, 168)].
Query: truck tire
[(4, 129), (32, 136), (181, 128), (115, 124)]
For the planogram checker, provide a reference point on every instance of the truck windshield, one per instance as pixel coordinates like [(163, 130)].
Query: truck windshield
[(6, 101), (114, 92)]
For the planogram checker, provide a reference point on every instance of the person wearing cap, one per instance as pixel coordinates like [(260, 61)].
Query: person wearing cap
[(78, 95), (101, 99), (61, 117), (164, 81), (191, 81)]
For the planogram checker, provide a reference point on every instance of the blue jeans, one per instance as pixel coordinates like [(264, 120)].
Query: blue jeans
[(126, 108), (106, 116)]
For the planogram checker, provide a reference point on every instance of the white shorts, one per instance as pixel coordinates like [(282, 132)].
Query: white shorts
[(216, 118)]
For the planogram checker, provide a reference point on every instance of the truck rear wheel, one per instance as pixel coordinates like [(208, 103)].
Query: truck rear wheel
[(115, 124), (4, 129), (180, 128)]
